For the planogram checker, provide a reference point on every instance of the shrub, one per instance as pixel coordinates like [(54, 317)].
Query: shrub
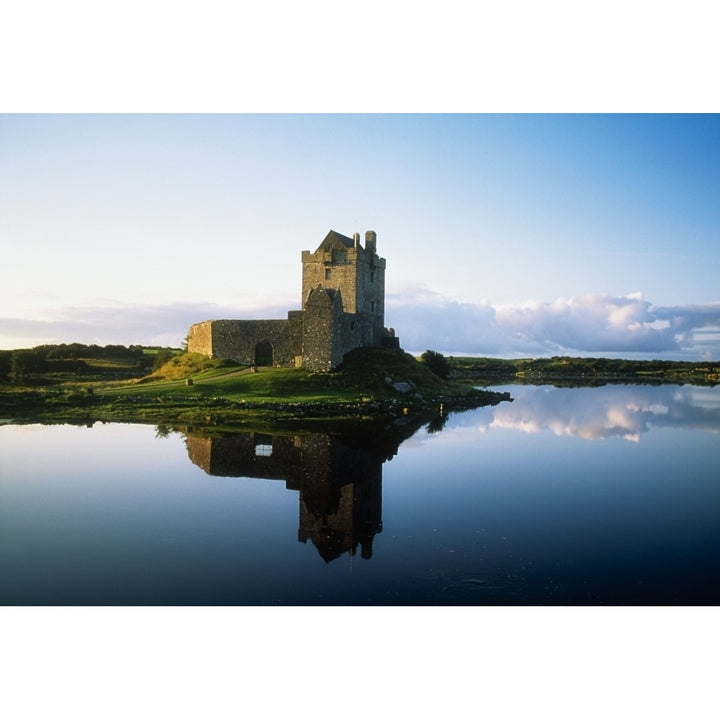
[(163, 355), (436, 362)]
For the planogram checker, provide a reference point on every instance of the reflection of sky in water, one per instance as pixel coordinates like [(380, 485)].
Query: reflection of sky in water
[(622, 411), (517, 489), (507, 504), (114, 514)]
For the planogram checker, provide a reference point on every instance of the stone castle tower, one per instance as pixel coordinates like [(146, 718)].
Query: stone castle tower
[(343, 308)]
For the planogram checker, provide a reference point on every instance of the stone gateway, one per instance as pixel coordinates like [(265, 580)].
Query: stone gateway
[(343, 308)]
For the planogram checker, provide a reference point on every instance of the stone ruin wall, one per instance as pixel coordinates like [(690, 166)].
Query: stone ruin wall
[(199, 338), (237, 339), (334, 270), (322, 336), (317, 338), (371, 297)]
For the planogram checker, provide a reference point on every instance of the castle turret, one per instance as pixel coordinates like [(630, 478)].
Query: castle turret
[(371, 241)]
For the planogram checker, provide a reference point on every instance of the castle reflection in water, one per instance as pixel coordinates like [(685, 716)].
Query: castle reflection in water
[(339, 479)]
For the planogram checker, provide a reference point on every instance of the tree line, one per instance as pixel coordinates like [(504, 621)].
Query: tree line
[(535, 369), (18, 365)]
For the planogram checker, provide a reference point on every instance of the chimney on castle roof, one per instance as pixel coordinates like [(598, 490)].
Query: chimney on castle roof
[(371, 241), (356, 239)]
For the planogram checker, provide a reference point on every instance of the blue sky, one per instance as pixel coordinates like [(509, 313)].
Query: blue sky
[(504, 234)]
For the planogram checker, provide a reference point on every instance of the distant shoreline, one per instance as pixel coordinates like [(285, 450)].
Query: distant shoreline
[(583, 372)]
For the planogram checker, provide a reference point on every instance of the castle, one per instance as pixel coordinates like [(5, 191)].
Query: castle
[(343, 308)]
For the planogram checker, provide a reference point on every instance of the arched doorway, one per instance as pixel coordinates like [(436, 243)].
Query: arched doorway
[(264, 354)]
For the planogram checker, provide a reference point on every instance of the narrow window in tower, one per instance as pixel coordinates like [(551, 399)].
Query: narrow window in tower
[(372, 306), (372, 277), (328, 273)]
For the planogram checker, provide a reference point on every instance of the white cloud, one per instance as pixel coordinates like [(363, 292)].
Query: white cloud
[(587, 324), (594, 324)]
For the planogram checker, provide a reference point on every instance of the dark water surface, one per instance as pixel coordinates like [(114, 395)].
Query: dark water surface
[(565, 496)]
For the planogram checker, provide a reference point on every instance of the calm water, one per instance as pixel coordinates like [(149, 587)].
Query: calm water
[(564, 496)]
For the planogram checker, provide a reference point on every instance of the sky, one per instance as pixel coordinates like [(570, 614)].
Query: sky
[(504, 234)]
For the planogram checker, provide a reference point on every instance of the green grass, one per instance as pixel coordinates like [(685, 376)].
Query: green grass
[(362, 376), (278, 385), (188, 365), (196, 390)]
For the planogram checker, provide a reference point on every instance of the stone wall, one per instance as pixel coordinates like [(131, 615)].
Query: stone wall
[(199, 339), (322, 330), (335, 270), (371, 292), (239, 339)]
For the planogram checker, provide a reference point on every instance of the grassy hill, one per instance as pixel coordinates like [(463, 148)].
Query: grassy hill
[(196, 390), (80, 383)]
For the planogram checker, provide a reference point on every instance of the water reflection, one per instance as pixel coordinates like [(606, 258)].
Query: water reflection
[(339, 479), (626, 412), (524, 512)]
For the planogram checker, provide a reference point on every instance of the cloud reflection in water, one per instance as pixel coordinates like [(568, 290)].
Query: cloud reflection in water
[(622, 411)]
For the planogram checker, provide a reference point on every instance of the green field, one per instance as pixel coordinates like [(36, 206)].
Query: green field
[(85, 384), (194, 390)]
